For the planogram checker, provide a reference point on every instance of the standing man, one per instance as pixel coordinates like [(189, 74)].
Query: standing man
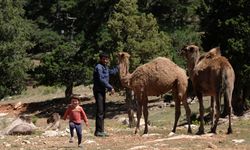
[(101, 83)]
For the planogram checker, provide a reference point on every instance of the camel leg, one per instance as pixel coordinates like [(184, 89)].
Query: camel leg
[(225, 108), (201, 109), (188, 113), (177, 110), (212, 108), (130, 107), (217, 114), (145, 113), (228, 98), (139, 113)]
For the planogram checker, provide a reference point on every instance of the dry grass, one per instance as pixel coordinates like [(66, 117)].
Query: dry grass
[(122, 137)]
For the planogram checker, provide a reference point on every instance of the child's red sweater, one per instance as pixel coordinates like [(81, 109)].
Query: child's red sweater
[(76, 114)]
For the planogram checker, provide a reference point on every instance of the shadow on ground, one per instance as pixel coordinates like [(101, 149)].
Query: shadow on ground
[(46, 108)]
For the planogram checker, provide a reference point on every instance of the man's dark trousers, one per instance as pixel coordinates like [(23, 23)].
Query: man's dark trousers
[(100, 98)]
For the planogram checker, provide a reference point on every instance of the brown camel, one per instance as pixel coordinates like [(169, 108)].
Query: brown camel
[(211, 75), (153, 79)]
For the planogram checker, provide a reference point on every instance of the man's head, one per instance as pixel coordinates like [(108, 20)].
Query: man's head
[(104, 58)]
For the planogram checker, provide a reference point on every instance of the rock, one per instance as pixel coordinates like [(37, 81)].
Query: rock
[(238, 141), (122, 120), (21, 125), (172, 104), (192, 126), (23, 128), (89, 142), (17, 105), (138, 147), (67, 130), (6, 144), (3, 114), (50, 133), (210, 145), (26, 142), (171, 134), (150, 135)]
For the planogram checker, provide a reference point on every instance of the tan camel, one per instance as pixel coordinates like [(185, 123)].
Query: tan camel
[(211, 75), (153, 79)]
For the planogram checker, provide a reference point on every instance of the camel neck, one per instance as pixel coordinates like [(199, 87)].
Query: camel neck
[(123, 69), (124, 73), (191, 65)]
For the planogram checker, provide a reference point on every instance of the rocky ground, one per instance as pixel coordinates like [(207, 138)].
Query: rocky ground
[(121, 137)]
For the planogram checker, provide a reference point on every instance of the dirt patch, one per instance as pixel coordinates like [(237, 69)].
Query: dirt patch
[(121, 137)]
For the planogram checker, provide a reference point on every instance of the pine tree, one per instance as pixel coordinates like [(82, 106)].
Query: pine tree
[(137, 33), (15, 34)]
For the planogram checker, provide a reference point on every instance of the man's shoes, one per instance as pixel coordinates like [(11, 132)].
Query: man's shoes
[(101, 134), (106, 134), (80, 145)]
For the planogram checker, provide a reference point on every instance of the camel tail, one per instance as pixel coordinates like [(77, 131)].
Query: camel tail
[(224, 80), (228, 78)]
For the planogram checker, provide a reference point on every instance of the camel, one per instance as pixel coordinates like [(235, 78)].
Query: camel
[(153, 79), (211, 75)]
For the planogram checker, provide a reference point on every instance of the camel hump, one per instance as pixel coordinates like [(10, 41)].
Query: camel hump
[(213, 52)]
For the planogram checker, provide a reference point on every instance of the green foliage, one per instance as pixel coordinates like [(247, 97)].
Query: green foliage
[(179, 19), (34, 119), (15, 34), (62, 66), (108, 25), (173, 14), (137, 33), (180, 38), (49, 90), (46, 40)]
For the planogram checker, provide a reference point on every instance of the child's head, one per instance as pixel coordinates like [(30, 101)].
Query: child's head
[(75, 100)]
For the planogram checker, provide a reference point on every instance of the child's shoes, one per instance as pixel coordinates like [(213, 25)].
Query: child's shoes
[(71, 140)]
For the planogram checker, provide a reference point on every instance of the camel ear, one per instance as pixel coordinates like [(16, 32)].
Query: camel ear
[(120, 54)]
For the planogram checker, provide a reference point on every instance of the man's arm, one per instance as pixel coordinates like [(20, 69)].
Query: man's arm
[(114, 70), (103, 78)]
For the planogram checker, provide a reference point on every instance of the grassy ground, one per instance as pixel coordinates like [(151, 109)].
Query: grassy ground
[(41, 102)]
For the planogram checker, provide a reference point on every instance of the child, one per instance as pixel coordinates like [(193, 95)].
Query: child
[(75, 113)]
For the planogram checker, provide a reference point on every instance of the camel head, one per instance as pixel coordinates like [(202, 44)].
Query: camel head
[(190, 52), (123, 59)]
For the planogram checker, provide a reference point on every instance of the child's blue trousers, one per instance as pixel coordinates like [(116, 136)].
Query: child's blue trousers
[(78, 127)]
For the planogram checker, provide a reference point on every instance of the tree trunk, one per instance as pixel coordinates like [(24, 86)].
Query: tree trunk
[(69, 90), (131, 105)]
